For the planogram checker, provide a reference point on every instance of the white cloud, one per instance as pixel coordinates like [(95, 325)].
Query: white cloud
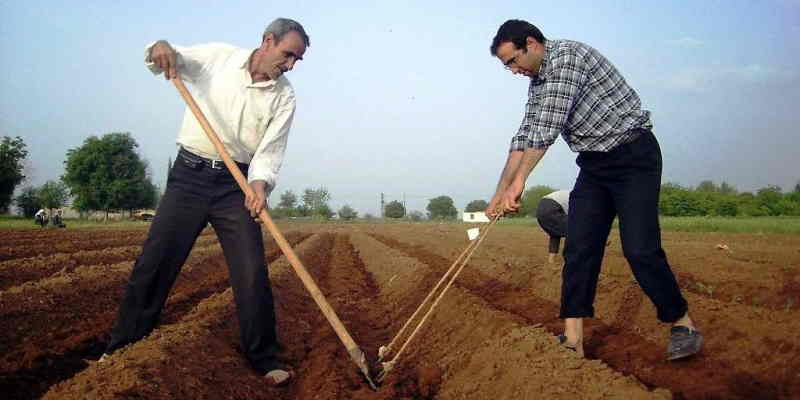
[(701, 79), (687, 41)]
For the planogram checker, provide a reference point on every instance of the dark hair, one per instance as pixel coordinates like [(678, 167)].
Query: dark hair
[(516, 31)]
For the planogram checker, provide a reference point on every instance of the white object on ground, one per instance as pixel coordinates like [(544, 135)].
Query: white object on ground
[(473, 233)]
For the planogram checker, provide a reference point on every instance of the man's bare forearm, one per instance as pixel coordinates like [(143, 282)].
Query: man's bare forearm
[(509, 171), (528, 161)]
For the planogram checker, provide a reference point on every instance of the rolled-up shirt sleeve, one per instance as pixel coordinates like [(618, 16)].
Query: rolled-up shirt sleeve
[(268, 158), (555, 97), (194, 61)]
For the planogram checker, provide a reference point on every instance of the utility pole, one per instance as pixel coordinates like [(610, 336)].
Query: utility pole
[(405, 209), (382, 205)]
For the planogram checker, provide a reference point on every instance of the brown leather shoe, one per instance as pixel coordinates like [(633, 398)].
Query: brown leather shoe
[(279, 377)]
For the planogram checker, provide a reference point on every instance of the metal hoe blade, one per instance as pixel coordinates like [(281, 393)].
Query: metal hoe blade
[(358, 357)]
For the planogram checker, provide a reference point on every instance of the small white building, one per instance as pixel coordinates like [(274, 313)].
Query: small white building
[(478, 216)]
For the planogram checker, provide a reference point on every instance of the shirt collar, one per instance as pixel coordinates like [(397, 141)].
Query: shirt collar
[(245, 60), (548, 50)]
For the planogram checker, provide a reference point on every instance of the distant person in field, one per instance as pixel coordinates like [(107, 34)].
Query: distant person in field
[(41, 217), (57, 222), (250, 104), (551, 213), (576, 93)]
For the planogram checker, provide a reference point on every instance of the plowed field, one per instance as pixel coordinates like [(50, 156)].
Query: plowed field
[(490, 338)]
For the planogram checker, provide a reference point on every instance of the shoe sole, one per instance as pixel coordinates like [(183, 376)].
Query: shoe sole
[(272, 383), (678, 356)]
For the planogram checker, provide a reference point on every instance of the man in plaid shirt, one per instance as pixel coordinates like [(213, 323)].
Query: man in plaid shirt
[(578, 94)]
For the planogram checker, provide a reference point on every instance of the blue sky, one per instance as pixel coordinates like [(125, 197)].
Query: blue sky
[(403, 98)]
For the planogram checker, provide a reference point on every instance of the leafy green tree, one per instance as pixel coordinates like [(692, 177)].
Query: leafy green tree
[(287, 206), (441, 208), (794, 195), (707, 186), (531, 198), (476, 206), (727, 207), (726, 189), (316, 201), (324, 211), (107, 174), (394, 209), (288, 200), (53, 194), (768, 198), (28, 202), (417, 216), (347, 213), (12, 155)]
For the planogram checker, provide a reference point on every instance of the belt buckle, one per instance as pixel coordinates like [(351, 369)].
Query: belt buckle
[(217, 164)]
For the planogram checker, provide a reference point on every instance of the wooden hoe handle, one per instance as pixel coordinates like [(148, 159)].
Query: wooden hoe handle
[(352, 348)]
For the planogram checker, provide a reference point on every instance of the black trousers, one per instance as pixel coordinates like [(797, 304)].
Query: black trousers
[(553, 220), (197, 194), (624, 182)]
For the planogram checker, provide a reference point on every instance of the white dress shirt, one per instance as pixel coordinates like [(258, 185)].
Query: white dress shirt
[(251, 119)]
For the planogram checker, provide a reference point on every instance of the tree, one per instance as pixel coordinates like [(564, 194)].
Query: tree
[(726, 189), (417, 215), (316, 201), (531, 198), (12, 156), (476, 206), (324, 211), (441, 208), (28, 202), (707, 186), (768, 198), (288, 200), (347, 213), (53, 194), (107, 174), (394, 209)]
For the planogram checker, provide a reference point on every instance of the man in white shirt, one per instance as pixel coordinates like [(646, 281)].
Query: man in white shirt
[(250, 104), (551, 213)]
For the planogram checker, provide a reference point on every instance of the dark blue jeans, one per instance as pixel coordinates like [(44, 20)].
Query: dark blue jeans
[(196, 195), (624, 182)]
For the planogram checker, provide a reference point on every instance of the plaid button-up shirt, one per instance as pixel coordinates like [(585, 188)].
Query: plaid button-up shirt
[(580, 95)]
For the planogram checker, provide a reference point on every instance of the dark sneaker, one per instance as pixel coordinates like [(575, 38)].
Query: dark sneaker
[(683, 342), (278, 377)]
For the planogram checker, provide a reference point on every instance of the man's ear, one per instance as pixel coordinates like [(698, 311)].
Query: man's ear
[(530, 42), (268, 40)]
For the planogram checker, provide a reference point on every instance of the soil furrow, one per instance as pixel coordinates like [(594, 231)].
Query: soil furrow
[(204, 275), (615, 344), (198, 356), (21, 270)]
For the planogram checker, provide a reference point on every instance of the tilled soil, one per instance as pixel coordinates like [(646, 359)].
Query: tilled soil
[(490, 337)]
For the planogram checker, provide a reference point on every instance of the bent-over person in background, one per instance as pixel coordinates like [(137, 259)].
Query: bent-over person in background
[(551, 214)]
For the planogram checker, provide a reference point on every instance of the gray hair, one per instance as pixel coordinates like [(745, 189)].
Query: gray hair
[(282, 26)]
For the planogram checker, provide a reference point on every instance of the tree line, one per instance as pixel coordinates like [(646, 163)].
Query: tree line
[(107, 174), (103, 174), (706, 199)]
